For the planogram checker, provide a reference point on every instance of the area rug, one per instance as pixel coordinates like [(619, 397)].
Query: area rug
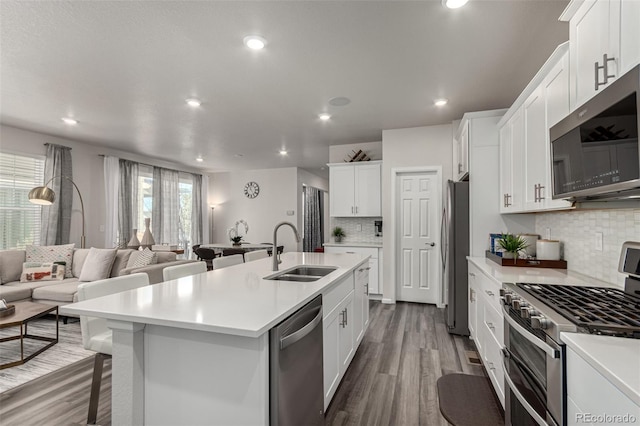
[(67, 351)]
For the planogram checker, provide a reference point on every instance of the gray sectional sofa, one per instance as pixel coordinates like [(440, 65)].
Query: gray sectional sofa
[(65, 291)]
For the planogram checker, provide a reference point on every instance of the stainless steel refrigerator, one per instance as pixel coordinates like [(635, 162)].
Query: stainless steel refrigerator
[(454, 248)]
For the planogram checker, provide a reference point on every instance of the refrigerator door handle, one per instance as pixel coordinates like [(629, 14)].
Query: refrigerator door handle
[(443, 252)]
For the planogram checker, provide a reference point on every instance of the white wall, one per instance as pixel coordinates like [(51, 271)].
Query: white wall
[(418, 146), (577, 231), (278, 195), (338, 153), (88, 174)]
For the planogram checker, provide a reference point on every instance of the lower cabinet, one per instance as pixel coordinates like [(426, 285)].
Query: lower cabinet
[(375, 263), (345, 320), (486, 325)]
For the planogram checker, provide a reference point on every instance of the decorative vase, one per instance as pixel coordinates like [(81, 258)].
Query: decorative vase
[(134, 242), (147, 238), (338, 239), (236, 244)]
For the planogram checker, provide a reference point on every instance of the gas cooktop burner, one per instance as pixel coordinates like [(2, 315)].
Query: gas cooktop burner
[(599, 310)]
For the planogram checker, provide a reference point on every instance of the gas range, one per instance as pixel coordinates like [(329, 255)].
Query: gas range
[(553, 308)]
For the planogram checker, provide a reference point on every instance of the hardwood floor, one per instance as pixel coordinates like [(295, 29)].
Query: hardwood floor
[(392, 378), (391, 381)]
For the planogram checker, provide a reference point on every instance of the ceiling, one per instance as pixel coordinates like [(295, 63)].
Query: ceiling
[(124, 70)]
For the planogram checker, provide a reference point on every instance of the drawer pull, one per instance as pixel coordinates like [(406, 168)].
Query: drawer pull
[(471, 274), (491, 366), (491, 326), (490, 293)]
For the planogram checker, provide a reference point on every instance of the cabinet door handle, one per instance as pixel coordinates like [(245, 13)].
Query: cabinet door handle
[(535, 193), (343, 317), (605, 71), (472, 274), (471, 294), (366, 288), (356, 209), (490, 293), (346, 316), (459, 167), (540, 196), (490, 365), (491, 326), (351, 209)]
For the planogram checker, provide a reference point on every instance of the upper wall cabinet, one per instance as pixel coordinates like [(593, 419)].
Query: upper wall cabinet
[(354, 189), (605, 43), (525, 149)]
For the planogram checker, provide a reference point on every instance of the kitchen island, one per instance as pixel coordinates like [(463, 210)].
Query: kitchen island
[(196, 350)]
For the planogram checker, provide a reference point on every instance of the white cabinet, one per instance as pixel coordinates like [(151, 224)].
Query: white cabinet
[(375, 265), (344, 323), (486, 325), (354, 189), (461, 151), (605, 43), (525, 147), (590, 393), (512, 163), (361, 303)]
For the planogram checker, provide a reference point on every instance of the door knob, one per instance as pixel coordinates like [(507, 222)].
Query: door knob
[(431, 244)]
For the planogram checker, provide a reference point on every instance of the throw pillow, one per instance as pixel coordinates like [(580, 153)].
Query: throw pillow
[(143, 258), (35, 271), (98, 264), (51, 254)]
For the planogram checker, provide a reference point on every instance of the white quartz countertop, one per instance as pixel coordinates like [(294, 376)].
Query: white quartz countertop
[(235, 300), (616, 358), (354, 244), (517, 274)]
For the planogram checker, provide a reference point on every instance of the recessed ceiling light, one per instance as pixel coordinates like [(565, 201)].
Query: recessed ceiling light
[(69, 121), (199, 159), (254, 42), (339, 101), (440, 102), (283, 152), (324, 117), (193, 102), (454, 4)]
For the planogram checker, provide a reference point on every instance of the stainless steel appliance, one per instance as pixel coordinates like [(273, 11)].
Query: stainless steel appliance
[(296, 378), (594, 151), (534, 355), (454, 234)]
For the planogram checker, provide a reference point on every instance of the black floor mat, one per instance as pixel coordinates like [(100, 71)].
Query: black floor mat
[(468, 400)]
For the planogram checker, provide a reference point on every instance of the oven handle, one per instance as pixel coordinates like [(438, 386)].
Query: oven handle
[(552, 352), (519, 396)]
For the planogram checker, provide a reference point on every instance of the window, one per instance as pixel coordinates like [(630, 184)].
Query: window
[(145, 206), (19, 219)]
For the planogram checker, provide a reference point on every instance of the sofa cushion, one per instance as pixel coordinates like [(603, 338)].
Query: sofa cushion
[(63, 292), (14, 293), (142, 258), (59, 253), (36, 271), (79, 256), (120, 262), (37, 284), (165, 256), (11, 265), (98, 264)]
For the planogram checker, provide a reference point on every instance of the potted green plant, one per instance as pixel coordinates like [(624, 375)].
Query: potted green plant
[(512, 245), (338, 234)]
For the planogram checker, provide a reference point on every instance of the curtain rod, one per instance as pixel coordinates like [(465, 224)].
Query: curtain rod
[(47, 144), (151, 165)]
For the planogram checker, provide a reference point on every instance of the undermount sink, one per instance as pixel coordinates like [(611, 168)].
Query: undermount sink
[(303, 273)]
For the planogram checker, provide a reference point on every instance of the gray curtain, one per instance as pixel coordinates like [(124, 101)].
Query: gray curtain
[(312, 219), (196, 211), (127, 201), (165, 220), (56, 218)]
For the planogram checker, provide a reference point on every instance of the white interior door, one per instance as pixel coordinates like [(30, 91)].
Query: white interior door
[(418, 234)]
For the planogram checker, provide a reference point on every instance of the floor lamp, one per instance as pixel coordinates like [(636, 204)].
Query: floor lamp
[(45, 196)]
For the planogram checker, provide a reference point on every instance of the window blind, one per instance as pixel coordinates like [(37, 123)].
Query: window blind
[(19, 219)]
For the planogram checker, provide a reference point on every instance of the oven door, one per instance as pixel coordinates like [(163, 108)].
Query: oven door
[(533, 375)]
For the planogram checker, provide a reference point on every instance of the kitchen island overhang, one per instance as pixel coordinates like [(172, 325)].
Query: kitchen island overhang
[(195, 350)]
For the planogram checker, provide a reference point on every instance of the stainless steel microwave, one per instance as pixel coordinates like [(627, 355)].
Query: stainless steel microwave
[(594, 151)]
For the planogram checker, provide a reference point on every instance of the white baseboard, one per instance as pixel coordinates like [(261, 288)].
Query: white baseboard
[(375, 297), (388, 301)]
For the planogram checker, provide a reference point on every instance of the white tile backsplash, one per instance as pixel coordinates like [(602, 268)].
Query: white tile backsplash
[(577, 230), (350, 226)]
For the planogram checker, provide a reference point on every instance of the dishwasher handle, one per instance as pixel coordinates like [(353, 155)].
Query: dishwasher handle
[(303, 331)]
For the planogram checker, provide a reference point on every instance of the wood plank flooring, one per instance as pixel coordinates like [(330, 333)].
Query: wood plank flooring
[(391, 381), (392, 378)]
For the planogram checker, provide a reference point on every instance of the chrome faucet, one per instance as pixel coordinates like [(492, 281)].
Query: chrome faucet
[(276, 255)]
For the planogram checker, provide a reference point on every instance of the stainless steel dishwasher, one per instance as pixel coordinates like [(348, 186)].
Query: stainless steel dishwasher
[(296, 378)]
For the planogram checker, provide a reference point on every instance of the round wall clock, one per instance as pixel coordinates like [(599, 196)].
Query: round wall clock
[(251, 190)]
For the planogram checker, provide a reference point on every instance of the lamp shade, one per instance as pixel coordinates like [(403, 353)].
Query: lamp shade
[(42, 195)]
